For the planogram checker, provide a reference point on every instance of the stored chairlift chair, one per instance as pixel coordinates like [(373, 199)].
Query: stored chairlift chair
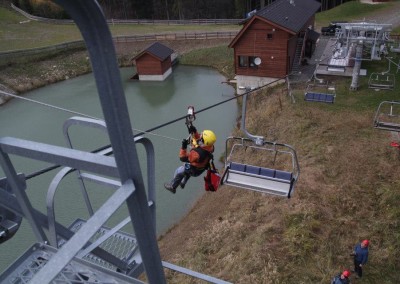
[(383, 80), (259, 165), (387, 116), (318, 92)]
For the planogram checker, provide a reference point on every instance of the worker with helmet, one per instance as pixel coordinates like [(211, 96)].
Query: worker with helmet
[(360, 254), (197, 160), (341, 278)]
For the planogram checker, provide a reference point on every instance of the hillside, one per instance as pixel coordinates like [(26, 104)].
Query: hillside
[(348, 190)]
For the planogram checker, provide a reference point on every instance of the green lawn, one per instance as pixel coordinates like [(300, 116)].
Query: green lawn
[(18, 33), (346, 12)]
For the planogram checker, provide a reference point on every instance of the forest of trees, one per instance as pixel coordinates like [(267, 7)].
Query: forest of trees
[(163, 9)]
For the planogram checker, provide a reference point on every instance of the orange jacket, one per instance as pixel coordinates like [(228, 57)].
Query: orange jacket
[(193, 157)]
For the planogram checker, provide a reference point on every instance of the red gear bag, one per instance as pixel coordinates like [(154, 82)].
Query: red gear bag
[(211, 180)]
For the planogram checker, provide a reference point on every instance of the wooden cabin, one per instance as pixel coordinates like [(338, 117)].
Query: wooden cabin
[(154, 63), (273, 42)]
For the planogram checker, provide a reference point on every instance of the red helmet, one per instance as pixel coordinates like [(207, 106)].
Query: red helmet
[(346, 273), (365, 242)]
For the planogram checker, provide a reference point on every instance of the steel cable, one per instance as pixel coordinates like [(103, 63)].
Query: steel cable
[(148, 131)]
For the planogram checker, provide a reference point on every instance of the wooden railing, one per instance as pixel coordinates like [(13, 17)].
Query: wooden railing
[(14, 55), (138, 21)]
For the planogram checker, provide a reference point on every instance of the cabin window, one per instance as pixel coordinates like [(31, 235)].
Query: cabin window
[(243, 61), (248, 61), (252, 62), (269, 36)]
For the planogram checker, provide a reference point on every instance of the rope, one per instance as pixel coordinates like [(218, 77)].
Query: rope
[(47, 105), (45, 170), (75, 112)]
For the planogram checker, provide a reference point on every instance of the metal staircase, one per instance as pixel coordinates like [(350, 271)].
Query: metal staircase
[(298, 55)]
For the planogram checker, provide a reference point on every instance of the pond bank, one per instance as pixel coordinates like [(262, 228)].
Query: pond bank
[(19, 78)]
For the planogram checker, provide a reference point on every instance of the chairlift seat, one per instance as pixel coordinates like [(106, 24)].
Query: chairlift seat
[(319, 97), (388, 86), (387, 116), (259, 179), (381, 81), (387, 126)]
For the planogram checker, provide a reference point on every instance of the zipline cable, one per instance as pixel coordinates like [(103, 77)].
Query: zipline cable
[(45, 170), (212, 106)]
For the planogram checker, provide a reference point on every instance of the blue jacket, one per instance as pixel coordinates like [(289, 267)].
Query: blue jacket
[(338, 280), (361, 254)]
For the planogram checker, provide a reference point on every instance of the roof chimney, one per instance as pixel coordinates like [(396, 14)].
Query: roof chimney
[(292, 2)]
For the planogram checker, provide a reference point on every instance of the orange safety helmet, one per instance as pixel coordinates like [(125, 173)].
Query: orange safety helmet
[(365, 242), (346, 273)]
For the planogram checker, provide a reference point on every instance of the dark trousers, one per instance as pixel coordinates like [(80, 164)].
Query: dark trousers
[(183, 173), (357, 268)]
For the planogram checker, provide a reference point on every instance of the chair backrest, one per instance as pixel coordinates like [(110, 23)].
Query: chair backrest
[(320, 93), (319, 97)]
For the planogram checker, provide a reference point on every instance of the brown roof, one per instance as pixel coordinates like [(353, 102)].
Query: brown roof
[(289, 15), (157, 50)]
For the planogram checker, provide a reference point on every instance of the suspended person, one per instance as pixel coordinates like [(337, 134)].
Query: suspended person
[(196, 161), (341, 278), (360, 254)]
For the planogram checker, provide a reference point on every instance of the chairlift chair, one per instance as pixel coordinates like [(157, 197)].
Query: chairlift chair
[(387, 116), (381, 81), (256, 164), (266, 167), (318, 92)]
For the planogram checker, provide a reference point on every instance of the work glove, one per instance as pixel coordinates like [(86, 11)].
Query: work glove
[(184, 144), (192, 129)]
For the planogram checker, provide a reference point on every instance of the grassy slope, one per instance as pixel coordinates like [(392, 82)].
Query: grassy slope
[(346, 12), (348, 190)]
